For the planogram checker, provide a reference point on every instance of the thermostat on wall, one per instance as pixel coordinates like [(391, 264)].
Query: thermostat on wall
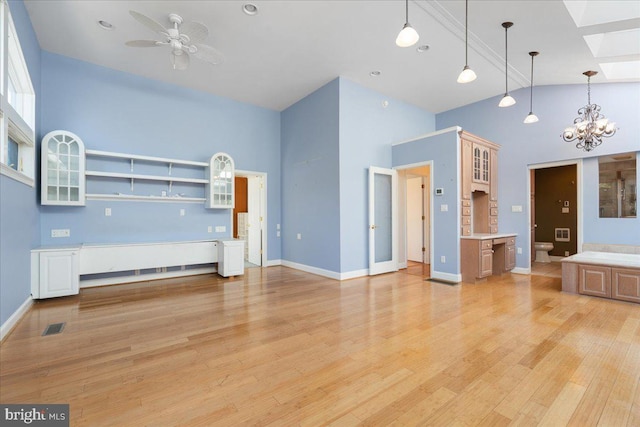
[(439, 191)]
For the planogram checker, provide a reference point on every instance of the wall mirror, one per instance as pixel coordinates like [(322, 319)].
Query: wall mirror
[(618, 186)]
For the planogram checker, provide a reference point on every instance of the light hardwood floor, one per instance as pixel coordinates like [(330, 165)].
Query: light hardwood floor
[(282, 347)]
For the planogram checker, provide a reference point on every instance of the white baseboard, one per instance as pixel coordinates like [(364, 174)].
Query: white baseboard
[(273, 262), (314, 270), (520, 270), (326, 273), (90, 283), (353, 274), (13, 320), (455, 278)]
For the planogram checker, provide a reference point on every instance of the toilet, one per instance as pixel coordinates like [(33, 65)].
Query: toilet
[(542, 251)]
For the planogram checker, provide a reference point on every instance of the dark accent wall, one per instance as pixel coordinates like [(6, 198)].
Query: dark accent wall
[(555, 186)]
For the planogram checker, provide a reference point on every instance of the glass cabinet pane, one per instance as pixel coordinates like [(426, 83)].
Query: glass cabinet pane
[(62, 169), (221, 182)]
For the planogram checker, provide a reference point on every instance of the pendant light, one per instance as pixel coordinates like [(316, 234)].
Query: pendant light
[(467, 75), (531, 118), (507, 100), (407, 36)]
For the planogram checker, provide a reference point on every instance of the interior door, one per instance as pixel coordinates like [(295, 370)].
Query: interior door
[(383, 211), (254, 229)]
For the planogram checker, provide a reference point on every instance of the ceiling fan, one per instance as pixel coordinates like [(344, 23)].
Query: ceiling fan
[(184, 39)]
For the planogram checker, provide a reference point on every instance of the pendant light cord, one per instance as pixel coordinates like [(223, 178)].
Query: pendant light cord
[(466, 32), (406, 9), (588, 90), (531, 91), (506, 61)]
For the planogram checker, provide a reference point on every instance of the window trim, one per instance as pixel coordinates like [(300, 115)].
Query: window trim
[(12, 122)]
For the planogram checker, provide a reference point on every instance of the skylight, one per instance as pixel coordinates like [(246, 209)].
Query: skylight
[(621, 70), (615, 43), (596, 12)]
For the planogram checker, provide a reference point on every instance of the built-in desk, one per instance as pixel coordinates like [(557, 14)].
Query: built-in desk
[(485, 254)]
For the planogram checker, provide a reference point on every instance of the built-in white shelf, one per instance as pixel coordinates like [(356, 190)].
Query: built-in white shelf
[(133, 197), (167, 178), (137, 162), (99, 153)]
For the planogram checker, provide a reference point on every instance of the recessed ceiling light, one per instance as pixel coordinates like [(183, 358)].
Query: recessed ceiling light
[(105, 25), (375, 73), (423, 48), (250, 9)]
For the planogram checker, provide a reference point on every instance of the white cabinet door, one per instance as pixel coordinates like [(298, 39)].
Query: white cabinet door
[(55, 273), (231, 257)]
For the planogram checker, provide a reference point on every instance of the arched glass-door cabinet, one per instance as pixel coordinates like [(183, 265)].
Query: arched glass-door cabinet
[(63, 181), (220, 191)]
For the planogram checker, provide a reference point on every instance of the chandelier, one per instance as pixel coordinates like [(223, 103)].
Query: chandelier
[(590, 126)]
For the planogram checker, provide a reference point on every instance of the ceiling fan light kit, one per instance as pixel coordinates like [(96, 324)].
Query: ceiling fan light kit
[(183, 38)]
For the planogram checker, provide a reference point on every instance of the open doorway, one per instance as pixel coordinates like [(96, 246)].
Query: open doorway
[(249, 216), (554, 215), (416, 215)]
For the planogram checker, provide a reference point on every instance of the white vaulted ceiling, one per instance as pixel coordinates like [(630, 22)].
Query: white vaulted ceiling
[(290, 48)]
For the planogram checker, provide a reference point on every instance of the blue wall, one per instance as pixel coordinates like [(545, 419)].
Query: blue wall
[(18, 203), (367, 130), (444, 151), (524, 145), (114, 111), (311, 181)]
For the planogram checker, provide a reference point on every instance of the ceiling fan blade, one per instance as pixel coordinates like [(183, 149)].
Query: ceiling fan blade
[(180, 62), (143, 43), (196, 31), (148, 22), (208, 54)]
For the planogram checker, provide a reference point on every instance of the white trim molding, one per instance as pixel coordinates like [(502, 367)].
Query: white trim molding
[(455, 278), (13, 320), (15, 175)]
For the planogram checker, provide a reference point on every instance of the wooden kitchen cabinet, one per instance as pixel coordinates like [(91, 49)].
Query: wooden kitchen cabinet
[(485, 257), (479, 184)]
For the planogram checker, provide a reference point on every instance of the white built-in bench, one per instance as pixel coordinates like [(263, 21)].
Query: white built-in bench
[(608, 271), (63, 270)]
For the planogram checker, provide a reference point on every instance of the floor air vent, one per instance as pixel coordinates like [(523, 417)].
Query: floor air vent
[(52, 329)]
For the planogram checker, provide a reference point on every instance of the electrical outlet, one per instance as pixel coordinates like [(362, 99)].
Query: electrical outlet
[(299, 236), (107, 211), (519, 250), (444, 208), (221, 228), (278, 233), (443, 259), (277, 226), (181, 212), (61, 232), (210, 229)]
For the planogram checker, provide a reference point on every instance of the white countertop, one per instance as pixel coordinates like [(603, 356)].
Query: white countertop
[(487, 236), (606, 258)]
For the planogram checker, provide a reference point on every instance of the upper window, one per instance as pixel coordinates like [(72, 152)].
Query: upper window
[(17, 105)]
